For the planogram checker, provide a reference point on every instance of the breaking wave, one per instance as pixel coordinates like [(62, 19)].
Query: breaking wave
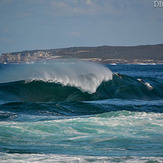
[(83, 75), (41, 91)]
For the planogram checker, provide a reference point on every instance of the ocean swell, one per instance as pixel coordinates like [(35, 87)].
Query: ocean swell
[(41, 91), (72, 81), (86, 76)]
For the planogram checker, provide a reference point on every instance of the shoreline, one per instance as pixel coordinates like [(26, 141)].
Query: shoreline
[(144, 54), (121, 61), (98, 60)]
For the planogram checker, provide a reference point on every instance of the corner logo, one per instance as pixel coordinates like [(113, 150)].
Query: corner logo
[(158, 4)]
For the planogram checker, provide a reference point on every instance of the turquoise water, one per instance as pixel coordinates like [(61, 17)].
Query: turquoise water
[(73, 111)]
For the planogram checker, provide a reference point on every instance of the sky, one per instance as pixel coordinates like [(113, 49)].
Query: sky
[(52, 24)]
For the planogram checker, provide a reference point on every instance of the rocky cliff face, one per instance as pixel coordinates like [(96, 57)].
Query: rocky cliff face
[(23, 57)]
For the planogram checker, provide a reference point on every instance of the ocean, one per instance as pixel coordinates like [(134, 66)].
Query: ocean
[(78, 111)]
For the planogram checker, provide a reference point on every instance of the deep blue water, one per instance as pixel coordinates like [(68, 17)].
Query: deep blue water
[(73, 111)]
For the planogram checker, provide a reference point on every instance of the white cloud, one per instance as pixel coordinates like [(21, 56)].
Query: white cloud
[(75, 34), (88, 2), (121, 9), (7, 40), (81, 8), (125, 9), (59, 4)]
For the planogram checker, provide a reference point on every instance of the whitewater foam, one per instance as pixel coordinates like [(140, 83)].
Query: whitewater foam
[(86, 76), (35, 158)]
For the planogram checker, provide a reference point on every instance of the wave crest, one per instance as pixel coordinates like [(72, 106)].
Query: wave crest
[(84, 75), (118, 88)]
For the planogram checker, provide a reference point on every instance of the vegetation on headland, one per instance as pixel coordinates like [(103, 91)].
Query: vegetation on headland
[(104, 54)]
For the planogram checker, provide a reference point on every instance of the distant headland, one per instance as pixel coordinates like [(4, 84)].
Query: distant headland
[(145, 54)]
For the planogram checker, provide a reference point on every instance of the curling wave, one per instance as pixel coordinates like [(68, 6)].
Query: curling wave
[(41, 91), (83, 75)]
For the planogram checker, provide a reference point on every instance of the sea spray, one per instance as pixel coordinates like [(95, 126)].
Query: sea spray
[(44, 121), (48, 90), (86, 76)]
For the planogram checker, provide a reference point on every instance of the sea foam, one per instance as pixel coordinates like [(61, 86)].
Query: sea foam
[(86, 76)]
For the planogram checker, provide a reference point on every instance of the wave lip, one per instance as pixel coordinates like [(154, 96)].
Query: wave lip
[(72, 80), (117, 88), (84, 75)]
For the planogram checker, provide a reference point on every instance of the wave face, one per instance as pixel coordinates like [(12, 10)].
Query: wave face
[(47, 91), (84, 75), (81, 111)]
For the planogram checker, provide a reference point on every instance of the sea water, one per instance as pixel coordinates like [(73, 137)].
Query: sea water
[(76, 111)]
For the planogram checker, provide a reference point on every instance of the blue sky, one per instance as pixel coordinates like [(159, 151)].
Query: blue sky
[(46, 24)]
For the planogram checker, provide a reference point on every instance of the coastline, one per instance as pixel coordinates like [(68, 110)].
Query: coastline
[(97, 60), (144, 54), (121, 61)]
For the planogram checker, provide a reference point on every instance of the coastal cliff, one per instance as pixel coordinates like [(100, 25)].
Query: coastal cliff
[(104, 54)]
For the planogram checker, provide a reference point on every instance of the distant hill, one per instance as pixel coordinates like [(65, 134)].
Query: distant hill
[(101, 54)]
